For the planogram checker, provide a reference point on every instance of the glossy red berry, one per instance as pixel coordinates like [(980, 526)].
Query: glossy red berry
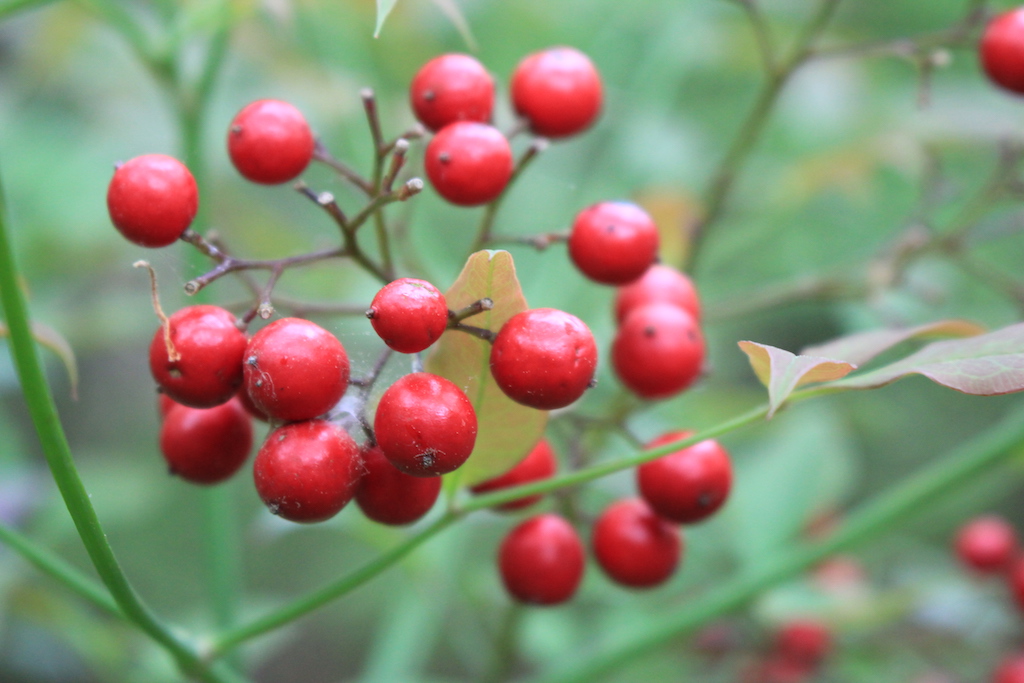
[(558, 91), (469, 163), (658, 351), (986, 544), (307, 471), (425, 425), (613, 243), (634, 546), (450, 88), (408, 314), (539, 464), (688, 485), (544, 358), (389, 496), (542, 560), (1010, 669), (269, 142), (1002, 50), (152, 199), (210, 347), (658, 284), (806, 641), (295, 370), (206, 445)]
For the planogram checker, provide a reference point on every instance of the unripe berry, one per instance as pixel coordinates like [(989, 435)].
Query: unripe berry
[(295, 370), (425, 425), (688, 485), (557, 90), (307, 471), (450, 88), (658, 351), (613, 243), (1002, 50), (210, 347), (986, 544), (269, 142), (542, 560), (469, 163), (539, 464), (206, 445), (389, 496), (408, 314), (544, 358), (658, 284), (634, 546), (152, 199)]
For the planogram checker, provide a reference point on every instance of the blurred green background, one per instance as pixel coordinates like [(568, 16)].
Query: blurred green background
[(848, 162)]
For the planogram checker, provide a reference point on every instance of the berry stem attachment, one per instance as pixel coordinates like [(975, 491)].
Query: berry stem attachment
[(483, 234), (172, 353), (326, 201), (401, 147), (469, 311)]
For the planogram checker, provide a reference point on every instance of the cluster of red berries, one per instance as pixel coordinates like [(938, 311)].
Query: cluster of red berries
[(557, 92), (635, 541), (988, 546)]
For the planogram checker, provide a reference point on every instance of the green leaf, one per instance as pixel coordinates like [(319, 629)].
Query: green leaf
[(862, 347), (51, 339), (984, 365), (384, 8), (506, 430), (782, 372)]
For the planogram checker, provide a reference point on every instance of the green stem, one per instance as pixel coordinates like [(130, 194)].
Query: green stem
[(44, 416), (871, 519), (56, 568), (721, 184), (228, 640), (483, 232)]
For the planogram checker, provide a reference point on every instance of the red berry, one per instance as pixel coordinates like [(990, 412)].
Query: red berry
[(307, 471), (558, 91), (613, 242), (659, 283), (1015, 581), (1010, 670), (658, 351), (206, 445), (539, 464), (469, 163), (688, 485), (390, 496), (269, 142), (295, 369), (152, 199), (165, 403), (450, 88), (542, 560), (209, 369), (1002, 50), (544, 358), (634, 546), (408, 314), (425, 425), (804, 641), (986, 544)]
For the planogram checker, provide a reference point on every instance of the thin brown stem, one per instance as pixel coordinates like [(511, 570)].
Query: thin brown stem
[(478, 332), (321, 154), (483, 235), (479, 306)]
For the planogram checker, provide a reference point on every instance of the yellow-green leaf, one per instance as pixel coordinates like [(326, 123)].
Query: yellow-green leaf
[(51, 339), (506, 430)]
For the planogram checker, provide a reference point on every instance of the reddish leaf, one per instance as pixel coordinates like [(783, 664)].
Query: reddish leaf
[(507, 431), (862, 347), (782, 372), (984, 365)]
